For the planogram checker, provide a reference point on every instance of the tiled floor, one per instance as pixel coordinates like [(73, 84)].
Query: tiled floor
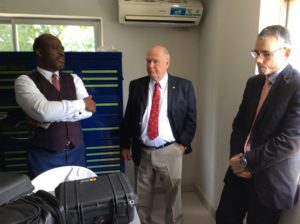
[(194, 211)]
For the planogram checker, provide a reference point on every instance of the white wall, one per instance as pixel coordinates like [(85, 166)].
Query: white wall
[(228, 33), (215, 56)]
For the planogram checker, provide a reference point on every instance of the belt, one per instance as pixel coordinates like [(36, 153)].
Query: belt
[(157, 147), (69, 145)]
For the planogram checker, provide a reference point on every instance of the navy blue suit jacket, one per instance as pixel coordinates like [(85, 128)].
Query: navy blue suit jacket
[(181, 113), (274, 158)]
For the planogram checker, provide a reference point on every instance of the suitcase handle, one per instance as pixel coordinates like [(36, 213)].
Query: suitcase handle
[(115, 201), (79, 205), (129, 202)]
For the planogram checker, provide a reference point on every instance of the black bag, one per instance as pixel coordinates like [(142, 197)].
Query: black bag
[(38, 208), (14, 186), (103, 199)]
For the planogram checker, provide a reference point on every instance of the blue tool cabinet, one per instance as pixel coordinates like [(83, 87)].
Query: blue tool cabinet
[(101, 73)]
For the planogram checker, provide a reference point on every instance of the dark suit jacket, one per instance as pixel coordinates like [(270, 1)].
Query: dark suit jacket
[(181, 113), (274, 158)]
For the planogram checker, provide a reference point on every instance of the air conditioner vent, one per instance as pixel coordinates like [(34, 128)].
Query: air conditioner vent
[(160, 12)]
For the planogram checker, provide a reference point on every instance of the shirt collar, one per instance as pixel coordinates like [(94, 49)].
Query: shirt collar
[(47, 74), (272, 77), (162, 83)]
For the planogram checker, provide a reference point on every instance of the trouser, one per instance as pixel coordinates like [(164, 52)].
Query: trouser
[(239, 199), (40, 160), (166, 163)]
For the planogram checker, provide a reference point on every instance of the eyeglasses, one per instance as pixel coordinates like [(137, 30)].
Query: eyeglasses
[(265, 54)]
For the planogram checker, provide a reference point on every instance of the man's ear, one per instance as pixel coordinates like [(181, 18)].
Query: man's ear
[(38, 52), (287, 52)]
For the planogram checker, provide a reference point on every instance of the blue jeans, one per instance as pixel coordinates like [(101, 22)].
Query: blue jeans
[(40, 160)]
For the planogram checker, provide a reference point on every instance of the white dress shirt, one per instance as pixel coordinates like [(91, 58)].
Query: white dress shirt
[(36, 106), (165, 133)]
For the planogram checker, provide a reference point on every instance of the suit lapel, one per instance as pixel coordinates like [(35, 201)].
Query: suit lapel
[(275, 92), (258, 98), (171, 90), (254, 95), (143, 90)]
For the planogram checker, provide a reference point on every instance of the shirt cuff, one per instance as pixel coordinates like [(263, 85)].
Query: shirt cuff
[(82, 115), (79, 105)]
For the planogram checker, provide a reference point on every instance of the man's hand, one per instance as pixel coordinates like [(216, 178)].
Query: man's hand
[(237, 169), (235, 164), (90, 104), (32, 122), (245, 174), (182, 148), (36, 124), (126, 154)]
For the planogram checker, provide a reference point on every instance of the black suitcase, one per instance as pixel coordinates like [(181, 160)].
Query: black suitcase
[(38, 208), (14, 186), (103, 199)]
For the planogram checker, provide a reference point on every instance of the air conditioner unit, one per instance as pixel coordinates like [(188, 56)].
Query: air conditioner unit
[(160, 12)]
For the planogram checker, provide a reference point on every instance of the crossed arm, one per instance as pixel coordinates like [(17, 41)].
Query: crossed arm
[(40, 110)]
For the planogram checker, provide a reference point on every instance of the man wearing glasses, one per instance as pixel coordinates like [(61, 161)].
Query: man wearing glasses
[(263, 176)]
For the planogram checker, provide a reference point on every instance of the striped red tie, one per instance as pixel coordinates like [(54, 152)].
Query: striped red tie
[(152, 131), (55, 81)]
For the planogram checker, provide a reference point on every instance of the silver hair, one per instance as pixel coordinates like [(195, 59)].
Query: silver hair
[(281, 33)]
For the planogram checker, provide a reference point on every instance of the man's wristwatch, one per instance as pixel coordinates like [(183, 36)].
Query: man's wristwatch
[(243, 161)]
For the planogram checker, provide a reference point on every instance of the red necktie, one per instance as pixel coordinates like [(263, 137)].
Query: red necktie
[(264, 93), (55, 81), (152, 131)]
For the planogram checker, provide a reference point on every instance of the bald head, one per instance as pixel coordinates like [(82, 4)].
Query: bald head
[(158, 61)]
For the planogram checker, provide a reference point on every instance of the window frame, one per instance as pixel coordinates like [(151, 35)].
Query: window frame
[(291, 14), (282, 14), (14, 19)]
